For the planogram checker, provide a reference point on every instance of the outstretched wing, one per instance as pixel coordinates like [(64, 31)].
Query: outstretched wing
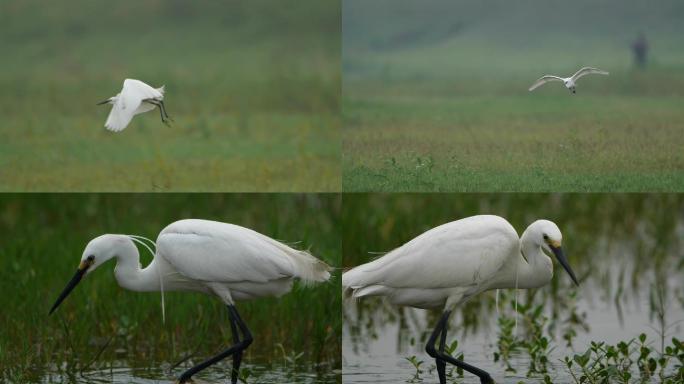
[(587, 71), (544, 79), (127, 103)]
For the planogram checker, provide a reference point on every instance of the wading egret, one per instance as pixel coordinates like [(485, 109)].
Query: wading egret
[(224, 260), (451, 263), (135, 98), (569, 82)]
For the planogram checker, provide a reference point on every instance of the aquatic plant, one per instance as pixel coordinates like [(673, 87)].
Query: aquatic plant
[(627, 361), (451, 350), (416, 364)]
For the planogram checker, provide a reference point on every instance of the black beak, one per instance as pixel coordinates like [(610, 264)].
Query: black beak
[(71, 285), (558, 252), (103, 102)]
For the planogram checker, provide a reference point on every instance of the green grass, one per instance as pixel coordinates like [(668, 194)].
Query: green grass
[(253, 89), (552, 143), (454, 114), (44, 238)]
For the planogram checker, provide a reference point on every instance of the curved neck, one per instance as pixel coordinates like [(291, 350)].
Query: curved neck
[(128, 271), (535, 269)]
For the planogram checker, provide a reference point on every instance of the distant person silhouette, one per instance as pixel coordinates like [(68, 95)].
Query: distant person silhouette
[(640, 49)]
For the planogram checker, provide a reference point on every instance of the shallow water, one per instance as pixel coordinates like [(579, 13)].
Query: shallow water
[(217, 374), (614, 301)]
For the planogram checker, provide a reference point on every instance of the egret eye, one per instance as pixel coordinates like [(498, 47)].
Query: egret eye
[(546, 237), (90, 258)]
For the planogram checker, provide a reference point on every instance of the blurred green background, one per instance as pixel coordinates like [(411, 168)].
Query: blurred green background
[(435, 96), (44, 236), (253, 87)]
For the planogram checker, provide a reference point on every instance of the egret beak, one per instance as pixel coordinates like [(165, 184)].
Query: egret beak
[(558, 252), (82, 268), (103, 102)]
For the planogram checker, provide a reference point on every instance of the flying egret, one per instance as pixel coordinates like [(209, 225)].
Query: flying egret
[(569, 82), (135, 98), (224, 260), (451, 263)]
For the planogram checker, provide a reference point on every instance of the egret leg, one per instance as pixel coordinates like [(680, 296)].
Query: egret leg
[(233, 349), (438, 355), (162, 112), (163, 108), (441, 365), (237, 356)]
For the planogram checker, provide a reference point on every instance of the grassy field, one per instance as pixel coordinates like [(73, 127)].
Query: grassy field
[(253, 88), (437, 100), (46, 234)]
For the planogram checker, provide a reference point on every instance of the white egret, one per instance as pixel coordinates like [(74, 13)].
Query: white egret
[(570, 82), (451, 263), (224, 260), (135, 98)]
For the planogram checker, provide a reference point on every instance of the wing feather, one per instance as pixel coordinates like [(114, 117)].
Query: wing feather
[(120, 115), (588, 71), (543, 80)]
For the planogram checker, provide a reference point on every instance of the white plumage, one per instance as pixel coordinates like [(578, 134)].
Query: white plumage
[(135, 98), (451, 263), (454, 261), (569, 82), (208, 256)]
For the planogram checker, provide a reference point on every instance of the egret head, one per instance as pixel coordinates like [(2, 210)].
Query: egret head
[(547, 235), (98, 251)]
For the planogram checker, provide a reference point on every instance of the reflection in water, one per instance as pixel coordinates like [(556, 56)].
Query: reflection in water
[(624, 247), (220, 374)]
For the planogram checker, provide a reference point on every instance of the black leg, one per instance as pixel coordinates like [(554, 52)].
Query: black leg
[(441, 365), (440, 355), (237, 356), (163, 107), (162, 112), (233, 349)]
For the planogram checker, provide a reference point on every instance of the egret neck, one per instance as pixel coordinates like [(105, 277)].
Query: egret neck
[(534, 268), (128, 271)]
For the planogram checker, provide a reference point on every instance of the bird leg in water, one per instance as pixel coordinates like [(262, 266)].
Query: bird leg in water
[(442, 358), (441, 364), (237, 356), (236, 348)]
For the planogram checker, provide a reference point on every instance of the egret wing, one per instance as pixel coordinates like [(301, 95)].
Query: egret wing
[(138, 89), (543, 80), (220, 252), (121, 114), (462, 253), (588, 71)]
